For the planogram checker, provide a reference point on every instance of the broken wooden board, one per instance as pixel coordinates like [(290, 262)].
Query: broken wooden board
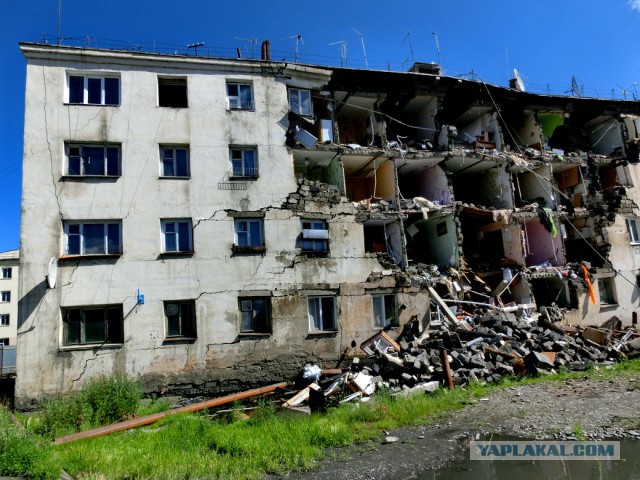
[(300, 397)]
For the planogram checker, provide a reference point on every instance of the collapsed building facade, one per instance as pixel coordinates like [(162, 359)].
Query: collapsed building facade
[(209, 224)]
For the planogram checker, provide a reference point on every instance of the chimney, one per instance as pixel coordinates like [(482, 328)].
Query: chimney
[(266, 50)]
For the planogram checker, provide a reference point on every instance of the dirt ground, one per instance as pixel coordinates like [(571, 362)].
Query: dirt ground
[(601, 409)]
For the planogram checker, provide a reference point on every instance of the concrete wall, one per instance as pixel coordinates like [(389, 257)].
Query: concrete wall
[(220, 359)]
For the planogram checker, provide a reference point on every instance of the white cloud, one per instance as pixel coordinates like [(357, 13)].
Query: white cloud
[(635, 5)]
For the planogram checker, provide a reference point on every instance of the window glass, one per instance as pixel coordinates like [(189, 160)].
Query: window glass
[(93, 234), (113, 161), (111, 91), (94, 90), (76, 89), (181, 163), (94, 322), (93, 160), (183, 236)]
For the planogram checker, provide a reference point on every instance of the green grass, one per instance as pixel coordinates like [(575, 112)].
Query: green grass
[(192, 446)]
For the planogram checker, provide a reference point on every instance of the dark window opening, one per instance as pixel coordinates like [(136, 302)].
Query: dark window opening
[(172, 92), (89, 325), (181, 319), (255, 315)]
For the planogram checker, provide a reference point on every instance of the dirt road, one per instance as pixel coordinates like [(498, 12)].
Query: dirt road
[(594, 408)]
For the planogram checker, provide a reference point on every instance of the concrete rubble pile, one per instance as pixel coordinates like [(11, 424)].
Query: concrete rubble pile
[(483, 348)]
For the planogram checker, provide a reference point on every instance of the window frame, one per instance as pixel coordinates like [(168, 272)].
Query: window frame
[(4, 342), (82, 161), (165, 81), (187, 327), (164, 223), (384, 298), (249, 106), (322, 328), (634, 232), (308, 243), (5, 320), (299, 107), (7, 273), (174, 161), (86, 94), (82, 224), (250, 243), (244, 172), (248, 305), (5, 296), (113, 334), (607, 291)]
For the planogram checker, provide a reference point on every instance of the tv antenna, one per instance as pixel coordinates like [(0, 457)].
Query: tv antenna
[(410, 43), (576, 90), (626, 90), (195, 46), (299, 41), (364, 52), (253, 42), (343, 51), (435, 36), (58, 39)]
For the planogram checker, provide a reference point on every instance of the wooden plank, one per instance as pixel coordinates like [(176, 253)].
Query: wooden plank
[(443, 306)]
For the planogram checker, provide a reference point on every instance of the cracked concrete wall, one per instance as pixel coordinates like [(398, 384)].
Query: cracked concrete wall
[(220, 359)]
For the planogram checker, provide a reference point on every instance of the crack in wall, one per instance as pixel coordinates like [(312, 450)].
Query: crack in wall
[(46, 135), (86, 365)]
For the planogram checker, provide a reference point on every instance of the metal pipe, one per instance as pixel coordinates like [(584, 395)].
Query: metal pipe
[(148, 419)]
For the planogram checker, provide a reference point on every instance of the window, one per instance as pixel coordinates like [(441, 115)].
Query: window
[(181, 319), (93, 238), (89, 325), (384, 311), (6, 273), (239, 96), (4, 320), (4, 342), (94, 90), (605, 287), (175, 161), (315, 236), (300, 102), (244, 162), (172, 92), (6, 296), (632, 227), (177, 236), (249, 232), (93, 160), (322, 313), (255, 315)]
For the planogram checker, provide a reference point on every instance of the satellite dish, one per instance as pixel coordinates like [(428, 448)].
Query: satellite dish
[(52, 272), (518, 79)]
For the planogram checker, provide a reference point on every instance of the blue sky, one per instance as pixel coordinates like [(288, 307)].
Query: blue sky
[(548, 41)]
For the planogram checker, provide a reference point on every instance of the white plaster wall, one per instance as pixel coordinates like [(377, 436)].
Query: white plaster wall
[(212, 275), (10, 285)]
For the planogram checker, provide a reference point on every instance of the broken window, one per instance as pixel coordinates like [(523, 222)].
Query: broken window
[(240, 96), (172, 92), (6, 296), (255, 315), (300, 102), (5, 320), (93, 160), (632, 227), (175, 161), (244, 162), (315, 236), (607, 291), (93, 90), (181, 319), (88, 325), (322, 314), (249, 232), (6, 273), (93, 238), (385, 312), (177, 236)]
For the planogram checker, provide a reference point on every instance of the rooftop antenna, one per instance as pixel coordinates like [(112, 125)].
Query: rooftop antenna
[(195, 46), (435, 36), (253, 42), (343, 51), (364, 52), (410, 43), (575, 89), (298, 41), (506, 58), (59, 12)]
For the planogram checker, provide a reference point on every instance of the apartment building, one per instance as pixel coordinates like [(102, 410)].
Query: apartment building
[(209, 224), (9, 274)]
